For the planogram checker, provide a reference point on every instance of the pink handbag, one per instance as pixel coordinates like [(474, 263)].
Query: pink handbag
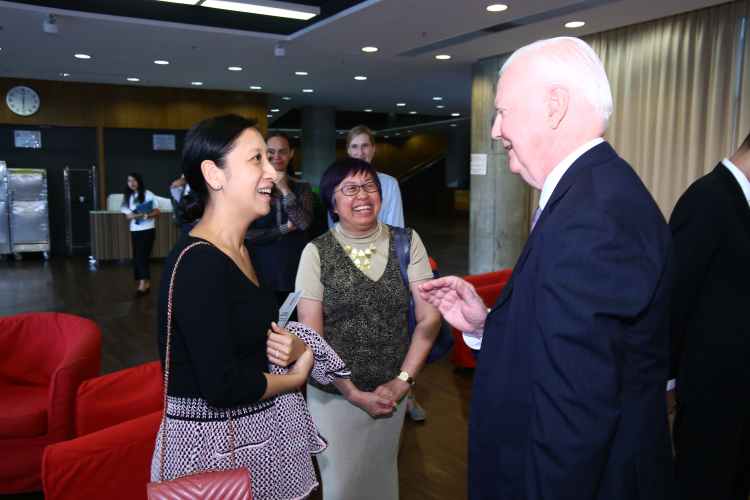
[(211, 484)]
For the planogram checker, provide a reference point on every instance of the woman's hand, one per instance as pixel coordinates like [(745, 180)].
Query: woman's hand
[(281, 183), (283, 347), (303, 365), (393, 390), (131, 216), (374, 404)]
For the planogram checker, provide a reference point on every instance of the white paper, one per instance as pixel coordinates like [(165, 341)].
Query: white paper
[(164, 142), (479, 164), (28, 139), (288, 307)]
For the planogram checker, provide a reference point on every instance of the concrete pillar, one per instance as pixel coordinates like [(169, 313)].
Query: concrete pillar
[(318, 141), (457, 158), (499, 200)]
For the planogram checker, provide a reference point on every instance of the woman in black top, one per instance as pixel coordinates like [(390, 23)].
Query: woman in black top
[(223, 332)]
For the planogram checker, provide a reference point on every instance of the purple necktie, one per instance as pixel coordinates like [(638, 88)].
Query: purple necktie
[(537, 213)]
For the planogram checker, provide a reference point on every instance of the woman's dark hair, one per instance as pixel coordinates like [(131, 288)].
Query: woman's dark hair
[(336, 173), (212, 139), (140, 195), (283, 135)]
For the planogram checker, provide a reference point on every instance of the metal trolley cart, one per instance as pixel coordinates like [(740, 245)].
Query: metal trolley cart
[(28, 209), (4, 221), (81, 197)]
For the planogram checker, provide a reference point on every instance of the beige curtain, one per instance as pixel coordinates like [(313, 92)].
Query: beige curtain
[(681, 95)]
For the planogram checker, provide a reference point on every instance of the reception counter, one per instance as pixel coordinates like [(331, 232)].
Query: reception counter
[(110, 236)]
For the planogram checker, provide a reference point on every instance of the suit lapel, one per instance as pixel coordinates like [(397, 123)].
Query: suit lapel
[(736, 195), (595, 156)]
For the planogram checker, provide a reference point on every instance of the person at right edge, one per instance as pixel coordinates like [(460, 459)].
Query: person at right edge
[(569, 394), (710, 334)]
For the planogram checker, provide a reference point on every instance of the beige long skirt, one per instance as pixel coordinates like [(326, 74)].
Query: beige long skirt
[(361, 459)]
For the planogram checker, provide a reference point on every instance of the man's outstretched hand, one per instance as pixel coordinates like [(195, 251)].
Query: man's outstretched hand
[(457, 301)]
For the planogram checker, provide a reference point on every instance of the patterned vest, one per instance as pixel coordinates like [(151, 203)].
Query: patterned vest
[(364, 321)]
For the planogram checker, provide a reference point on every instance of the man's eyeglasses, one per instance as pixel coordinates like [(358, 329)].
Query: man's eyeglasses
[(353, 189)]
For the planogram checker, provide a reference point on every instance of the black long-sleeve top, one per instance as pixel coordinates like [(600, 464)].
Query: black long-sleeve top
[(219, 323)]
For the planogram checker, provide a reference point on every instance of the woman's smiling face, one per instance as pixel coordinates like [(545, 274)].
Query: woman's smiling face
[(358, 213)]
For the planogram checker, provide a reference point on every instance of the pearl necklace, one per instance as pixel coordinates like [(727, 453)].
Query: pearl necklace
[(361, 258)]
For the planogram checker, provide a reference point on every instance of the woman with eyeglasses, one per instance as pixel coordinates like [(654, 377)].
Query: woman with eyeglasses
[(354, 296)]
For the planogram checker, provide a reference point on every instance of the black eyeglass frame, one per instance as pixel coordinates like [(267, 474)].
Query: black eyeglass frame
[(375, 190)]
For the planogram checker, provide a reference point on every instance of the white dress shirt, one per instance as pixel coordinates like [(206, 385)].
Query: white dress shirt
[(550, 183)]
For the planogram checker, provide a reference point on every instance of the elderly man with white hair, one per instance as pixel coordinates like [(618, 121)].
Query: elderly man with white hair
[(569, 392)]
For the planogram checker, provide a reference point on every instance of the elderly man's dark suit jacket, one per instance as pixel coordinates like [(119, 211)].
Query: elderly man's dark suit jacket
[(569, 392)]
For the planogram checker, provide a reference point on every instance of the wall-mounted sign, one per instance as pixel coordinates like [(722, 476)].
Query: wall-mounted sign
[(479, 164), (28, 138), (164, 142)]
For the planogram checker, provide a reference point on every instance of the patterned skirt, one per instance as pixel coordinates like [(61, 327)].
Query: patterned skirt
[(273, 438)]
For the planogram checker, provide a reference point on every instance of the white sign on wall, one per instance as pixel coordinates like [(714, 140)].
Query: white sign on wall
[(479, 164), (164, 142), (28, 138)]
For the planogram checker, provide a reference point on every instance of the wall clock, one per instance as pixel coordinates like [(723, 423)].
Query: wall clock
[(22, 101)]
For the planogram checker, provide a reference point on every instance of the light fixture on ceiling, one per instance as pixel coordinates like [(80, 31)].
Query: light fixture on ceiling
[(368, 111), (398, 133), (412, 112), (385, 136), (64, 74), (269, 116), (437, 98), (574, 24), (401, 104), (50, 24), (254, 87), (266, 8), (83, 56), (274, 111), (301, 73), (234, 68), (161, 62), (369, 49), (287, 98), (307, 90), (131, 79), (279, 51), (183, 2), (409, 131), (441, 106), (360, 78), (455, 114), (454, 125), (196, 83), (443, 56), (296, 137), (498, 7)]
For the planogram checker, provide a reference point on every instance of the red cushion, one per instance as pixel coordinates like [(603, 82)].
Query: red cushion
[(118, 397), (433, 264), (114, 463), (23, 411), (493, 278)]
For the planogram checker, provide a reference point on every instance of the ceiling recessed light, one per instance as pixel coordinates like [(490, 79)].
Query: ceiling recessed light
[(441, 106), (274, 111), (574, 24), (296, 137), (161, 62), (455, 114), (287, 98), (368, 111), (369, 49), (234, 68), (437, 98), (269, 116), (64, 74), (443, 56), (360, 78), (412, 112), (196, 83), (83, 56), (253, 87), (134, 79), (454, 125), (401, 104), (300, 73), (409, 131), (306, 90), (498, 7), (398, 133), (184, 2), (385, 136), (295, 11)]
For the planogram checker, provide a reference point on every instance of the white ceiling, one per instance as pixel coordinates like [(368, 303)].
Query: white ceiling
[(330, 51)]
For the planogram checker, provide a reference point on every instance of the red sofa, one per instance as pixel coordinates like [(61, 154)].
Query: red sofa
[(44, 357), (489, 286), (117, 420)]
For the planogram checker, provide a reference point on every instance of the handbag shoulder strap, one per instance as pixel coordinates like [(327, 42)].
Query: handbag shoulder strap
[(401, 241), (166, 368)]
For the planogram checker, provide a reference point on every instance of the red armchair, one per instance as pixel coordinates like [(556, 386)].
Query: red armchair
[(44, 357), (117, 419), (489, 286)]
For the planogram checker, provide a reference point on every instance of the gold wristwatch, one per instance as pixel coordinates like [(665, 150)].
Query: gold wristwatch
[(404, 376)]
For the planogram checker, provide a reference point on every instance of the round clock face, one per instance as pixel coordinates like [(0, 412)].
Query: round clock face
[(22, 101)]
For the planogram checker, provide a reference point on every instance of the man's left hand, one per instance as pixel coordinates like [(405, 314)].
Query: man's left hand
[(393, 390)]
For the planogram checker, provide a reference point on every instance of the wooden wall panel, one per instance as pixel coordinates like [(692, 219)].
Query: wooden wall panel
[(110, 236)]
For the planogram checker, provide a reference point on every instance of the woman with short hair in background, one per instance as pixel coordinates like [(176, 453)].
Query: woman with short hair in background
[(142, 229)]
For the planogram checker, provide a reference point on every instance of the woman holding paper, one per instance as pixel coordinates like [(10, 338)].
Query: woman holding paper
[(140, 207)]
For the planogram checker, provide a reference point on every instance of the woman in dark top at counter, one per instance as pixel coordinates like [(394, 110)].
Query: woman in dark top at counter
[(281, 235), (222, 315)]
